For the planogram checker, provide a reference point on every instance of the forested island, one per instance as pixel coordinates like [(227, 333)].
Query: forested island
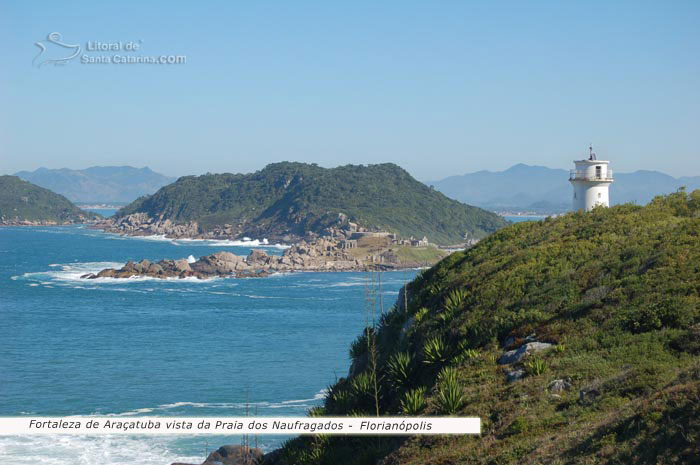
[(289, 202)]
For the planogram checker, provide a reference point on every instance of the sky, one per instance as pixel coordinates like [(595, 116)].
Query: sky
[(440, 88)]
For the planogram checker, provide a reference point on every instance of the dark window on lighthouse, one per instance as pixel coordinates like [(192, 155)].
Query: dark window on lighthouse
[(598, 172)]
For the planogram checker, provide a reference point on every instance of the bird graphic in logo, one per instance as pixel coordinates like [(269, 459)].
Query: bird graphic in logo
[(58, 53)]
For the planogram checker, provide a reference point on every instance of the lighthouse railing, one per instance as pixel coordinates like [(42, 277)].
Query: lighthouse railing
[(582, 175)]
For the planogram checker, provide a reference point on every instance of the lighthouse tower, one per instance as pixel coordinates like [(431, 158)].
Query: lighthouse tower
[(591, 180)]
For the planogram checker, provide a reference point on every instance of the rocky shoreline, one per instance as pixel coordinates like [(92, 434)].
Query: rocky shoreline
[(4, 222), (319, 256), (235, 455), (141, 224)]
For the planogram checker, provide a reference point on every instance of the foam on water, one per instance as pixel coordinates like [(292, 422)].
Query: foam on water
[(90, 450), (245, 242), (190, 408), (70, 274), (129, 450)]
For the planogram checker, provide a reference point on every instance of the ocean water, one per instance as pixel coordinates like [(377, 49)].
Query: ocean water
[(161, 347), (521, 218)]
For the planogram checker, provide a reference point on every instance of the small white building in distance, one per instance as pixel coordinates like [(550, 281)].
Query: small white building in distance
[(591, 180)]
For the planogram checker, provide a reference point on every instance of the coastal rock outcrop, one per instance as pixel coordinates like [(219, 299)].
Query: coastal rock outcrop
[(141, 224), (318, 256), (232, 455)]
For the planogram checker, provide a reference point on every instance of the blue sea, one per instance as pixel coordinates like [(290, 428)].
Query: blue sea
[(521, 218), (161, 347)]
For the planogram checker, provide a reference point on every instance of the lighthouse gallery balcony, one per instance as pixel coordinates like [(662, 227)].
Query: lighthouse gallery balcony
[(581, 175)]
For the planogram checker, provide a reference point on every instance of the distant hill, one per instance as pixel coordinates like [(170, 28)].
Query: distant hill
[(23, 201), (296, 199), (537, 188), (99, 184)]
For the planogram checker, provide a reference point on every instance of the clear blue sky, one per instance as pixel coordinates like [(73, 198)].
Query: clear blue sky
[(440, 88)]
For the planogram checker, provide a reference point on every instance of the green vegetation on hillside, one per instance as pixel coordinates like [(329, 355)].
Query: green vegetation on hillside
[(21, 200), (615, 291), (295, 198)]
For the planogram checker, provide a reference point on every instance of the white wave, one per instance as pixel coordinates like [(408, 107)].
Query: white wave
[(67, 272), (90, 450), (70, 274), (294, 403), (191, 259), (244, 242), (345, 284)]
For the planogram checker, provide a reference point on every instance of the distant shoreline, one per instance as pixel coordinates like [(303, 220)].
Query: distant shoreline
[(98, 206)]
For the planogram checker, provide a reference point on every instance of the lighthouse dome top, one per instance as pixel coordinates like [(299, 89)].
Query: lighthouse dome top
[(592, 158)]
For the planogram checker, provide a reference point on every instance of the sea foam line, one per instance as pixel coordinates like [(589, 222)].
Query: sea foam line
[(294, 403), (245, 242)]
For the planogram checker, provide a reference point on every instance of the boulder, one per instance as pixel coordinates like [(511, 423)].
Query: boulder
[(234, 455), (108, 273), (559, 385), (257, 257), (516, 355), (142, 266), (205, 265), (587, 395), (227, 257), (515, 375), (155, 268), (182, 265)]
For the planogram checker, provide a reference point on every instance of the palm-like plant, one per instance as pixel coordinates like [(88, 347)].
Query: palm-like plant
[(455, 299), (420, 314), (450, 398), (536, 366), (413, 402), (363, 384), (435, 351), (399, 369), (447, 376)]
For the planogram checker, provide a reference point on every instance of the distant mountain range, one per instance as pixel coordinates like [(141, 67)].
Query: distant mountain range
[(546, 190), (99, 184), (22, 202), (297, 199)]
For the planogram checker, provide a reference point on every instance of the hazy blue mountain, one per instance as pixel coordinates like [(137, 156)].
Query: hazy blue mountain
[(538, 188), (99, 184)]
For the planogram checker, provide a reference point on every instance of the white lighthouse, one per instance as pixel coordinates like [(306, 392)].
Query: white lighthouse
[(591, 180)]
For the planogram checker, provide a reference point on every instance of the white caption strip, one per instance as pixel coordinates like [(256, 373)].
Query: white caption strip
[(240, 425)]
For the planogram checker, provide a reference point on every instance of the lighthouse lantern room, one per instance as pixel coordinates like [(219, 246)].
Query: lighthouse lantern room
[(591, 180)]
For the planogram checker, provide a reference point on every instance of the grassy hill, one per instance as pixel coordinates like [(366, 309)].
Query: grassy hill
[(616, 292), (21, 200), (295, 198)]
